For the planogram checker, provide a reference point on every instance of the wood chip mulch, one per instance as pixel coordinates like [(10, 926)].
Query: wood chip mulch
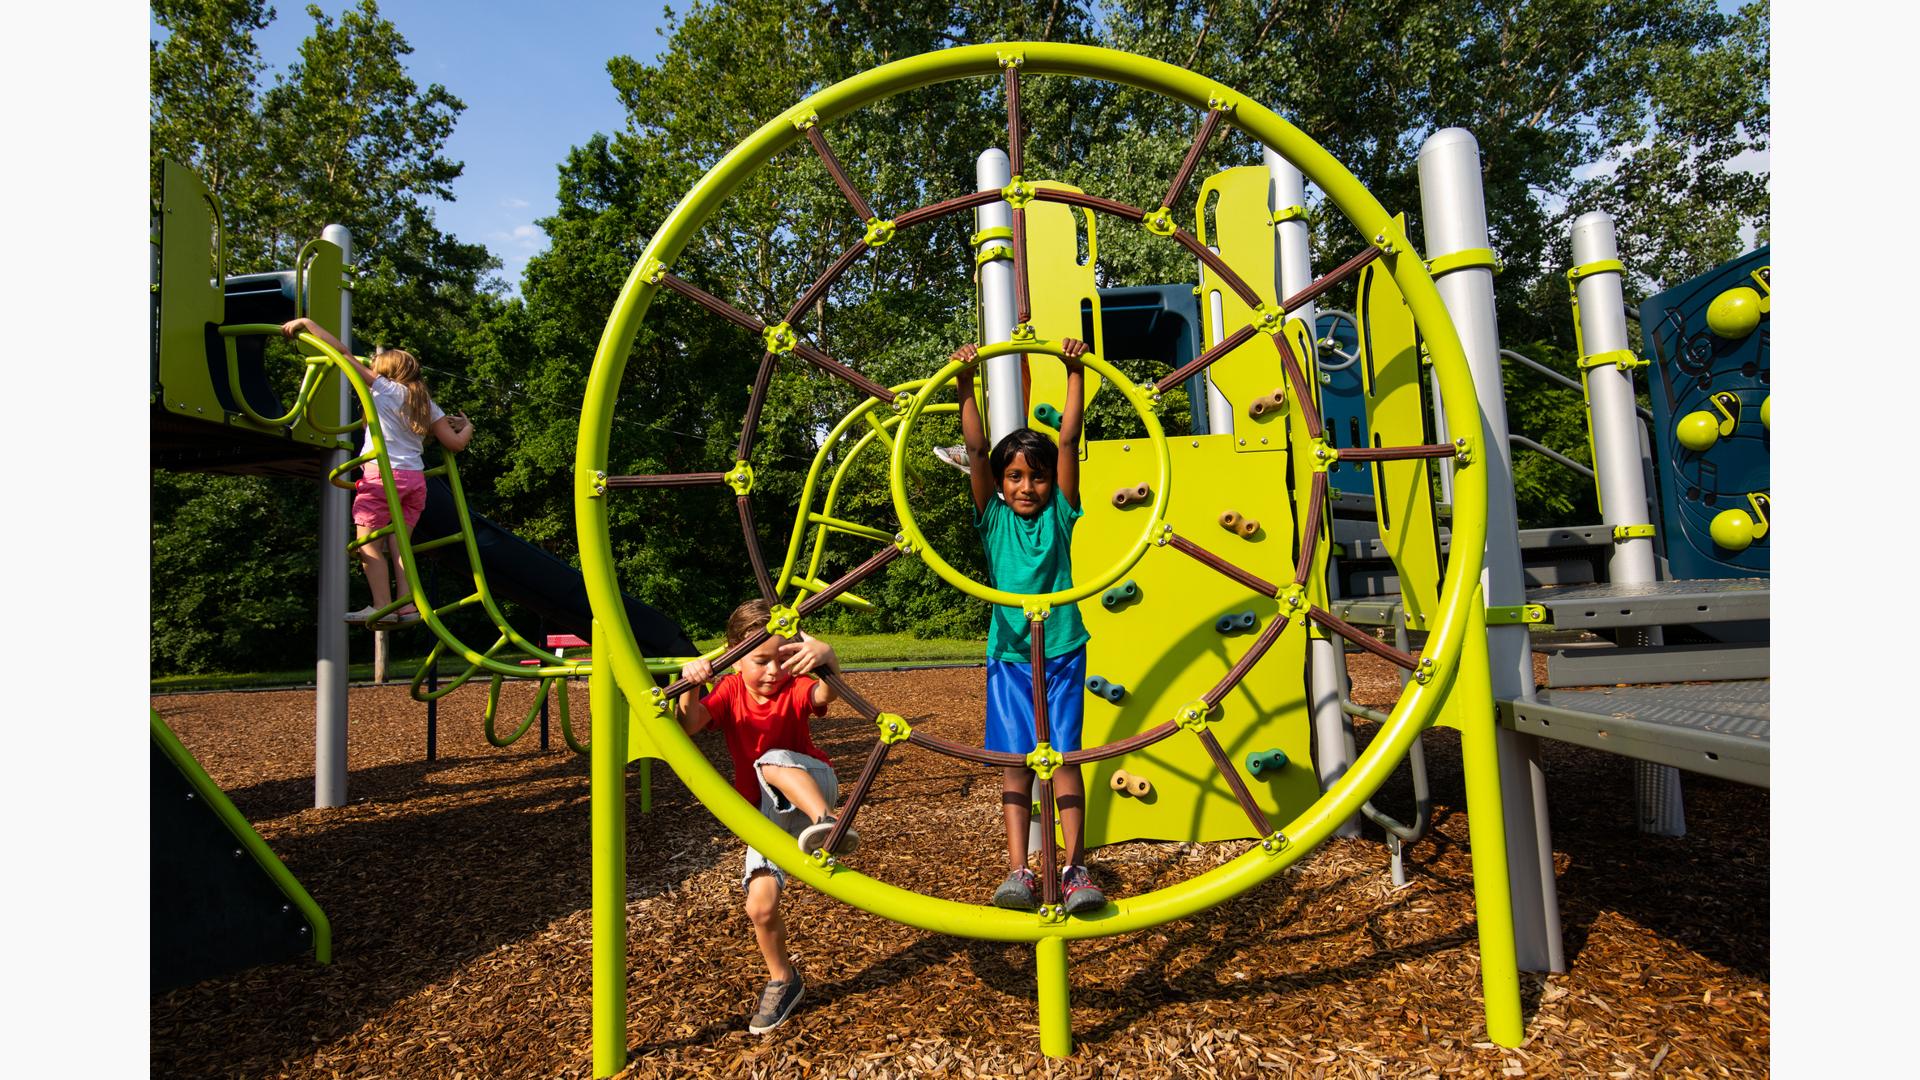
[(458, 893)]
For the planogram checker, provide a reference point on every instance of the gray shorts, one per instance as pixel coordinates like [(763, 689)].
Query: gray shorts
[(783, 813)]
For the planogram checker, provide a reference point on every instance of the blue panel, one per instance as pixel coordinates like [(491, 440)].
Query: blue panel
[(1690, 363), (1343, 404)]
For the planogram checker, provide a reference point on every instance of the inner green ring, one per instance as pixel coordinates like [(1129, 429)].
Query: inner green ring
[(909, 528)]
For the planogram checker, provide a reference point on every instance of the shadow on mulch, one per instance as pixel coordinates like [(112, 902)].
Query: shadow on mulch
[(459, 894)]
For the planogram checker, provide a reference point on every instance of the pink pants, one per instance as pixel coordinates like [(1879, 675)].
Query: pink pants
[(370, 497)]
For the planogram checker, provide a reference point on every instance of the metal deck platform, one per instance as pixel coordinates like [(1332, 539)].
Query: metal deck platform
[(1719, 729), (1590, 607)]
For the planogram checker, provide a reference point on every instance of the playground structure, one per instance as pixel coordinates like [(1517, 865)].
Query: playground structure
[(1261, 357)]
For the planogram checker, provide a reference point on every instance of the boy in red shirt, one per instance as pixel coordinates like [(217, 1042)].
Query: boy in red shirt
[(762, 710)]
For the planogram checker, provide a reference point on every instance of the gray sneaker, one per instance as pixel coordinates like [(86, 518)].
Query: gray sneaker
[(1079, 891), (815, 836), (776, 1004), (1018, 892)]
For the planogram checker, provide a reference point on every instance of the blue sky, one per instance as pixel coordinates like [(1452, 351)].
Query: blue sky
[(535, 84)]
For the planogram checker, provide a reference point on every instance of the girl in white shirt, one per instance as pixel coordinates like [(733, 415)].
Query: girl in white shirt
[(406, 413)]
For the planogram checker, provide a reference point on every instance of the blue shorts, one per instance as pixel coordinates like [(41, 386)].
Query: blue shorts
[(1010, 703)]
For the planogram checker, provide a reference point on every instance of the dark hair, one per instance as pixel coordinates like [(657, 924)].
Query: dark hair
[(747, 620), (1038, 449)]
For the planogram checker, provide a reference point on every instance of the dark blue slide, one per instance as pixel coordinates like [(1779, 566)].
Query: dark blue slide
[(538, 580)]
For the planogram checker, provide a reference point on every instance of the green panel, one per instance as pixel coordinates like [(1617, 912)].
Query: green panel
[(192, 301), (191, 271), (1058, 283), (1241, 227), (1164, 649), (1403, 498)]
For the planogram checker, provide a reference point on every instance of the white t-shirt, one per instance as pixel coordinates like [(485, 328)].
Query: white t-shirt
[(403, 446)]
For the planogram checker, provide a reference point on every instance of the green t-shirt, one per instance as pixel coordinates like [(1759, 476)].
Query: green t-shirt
[(1030, 556)]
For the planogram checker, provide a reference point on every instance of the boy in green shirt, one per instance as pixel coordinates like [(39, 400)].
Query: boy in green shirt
[(1026, 493)]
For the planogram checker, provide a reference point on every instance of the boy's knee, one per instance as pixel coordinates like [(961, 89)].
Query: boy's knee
[(763, 898)]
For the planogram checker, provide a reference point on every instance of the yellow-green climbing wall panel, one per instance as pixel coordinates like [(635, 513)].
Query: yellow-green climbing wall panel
[(1403, 497), (1064, 294), (1164, 648)]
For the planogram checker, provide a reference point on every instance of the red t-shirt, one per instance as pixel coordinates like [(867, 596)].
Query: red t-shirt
[(752, 729)]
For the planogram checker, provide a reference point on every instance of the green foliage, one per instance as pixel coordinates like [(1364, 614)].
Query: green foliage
[(1644, 108)]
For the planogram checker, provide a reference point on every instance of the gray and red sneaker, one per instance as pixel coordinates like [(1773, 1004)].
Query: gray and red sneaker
[(1078, 892), (1019, 892)]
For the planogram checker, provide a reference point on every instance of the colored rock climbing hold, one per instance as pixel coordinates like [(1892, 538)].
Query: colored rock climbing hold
[(1100, 687), (1735, 313), (1047, 415), (1125, 592), (1238, 620), (1266, 761), (1127, 496), (1234, 522)]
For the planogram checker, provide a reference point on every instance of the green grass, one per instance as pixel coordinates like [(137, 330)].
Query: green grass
[(856, 651)]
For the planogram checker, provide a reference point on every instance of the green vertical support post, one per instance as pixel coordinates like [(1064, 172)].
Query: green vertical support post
[(1473, 708), (609, 824), (1056, 1011)]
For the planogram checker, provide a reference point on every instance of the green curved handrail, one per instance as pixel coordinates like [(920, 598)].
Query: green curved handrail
[(804, 518)]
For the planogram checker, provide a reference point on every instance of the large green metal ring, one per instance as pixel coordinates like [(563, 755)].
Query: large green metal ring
[(1411, 714), (1156, 518)]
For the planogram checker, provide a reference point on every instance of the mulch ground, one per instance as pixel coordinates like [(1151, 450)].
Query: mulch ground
[(458, 893)]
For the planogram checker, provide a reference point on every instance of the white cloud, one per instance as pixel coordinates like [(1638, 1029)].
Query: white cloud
[(515, 204)]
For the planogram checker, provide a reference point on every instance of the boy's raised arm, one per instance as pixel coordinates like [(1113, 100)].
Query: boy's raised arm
[(973, 431), (806, 655), (1066, 473)]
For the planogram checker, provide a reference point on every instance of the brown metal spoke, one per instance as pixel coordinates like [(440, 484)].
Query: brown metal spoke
[(1310, 542), (666, 480), (756, 401), (1124, 746), (941, 209), (849, 579), (1049, 859), (848, 694), (819, 288), (1015, 155), (1192, 160), (1205, 360), (1239, 670), (1218, 265), (712, 303), (1241, 795), (838, 173), (1328, 280), (841, 371), (1398, 453), (1023, 300), (1363, 639), (875, 758), (722, 662), (1244, 577), (1092, 202), (767, 591), (967, 753), (1302, 389)]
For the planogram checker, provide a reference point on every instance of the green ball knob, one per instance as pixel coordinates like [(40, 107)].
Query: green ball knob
[(1735, 313), (1732, 530), (1766, 412), (1698, 431)]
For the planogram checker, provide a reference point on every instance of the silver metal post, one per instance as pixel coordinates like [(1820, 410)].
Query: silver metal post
[(1219, 409), (1620, 477), (1006, 409), (330, 652), (1453, 207), (1293, 271)]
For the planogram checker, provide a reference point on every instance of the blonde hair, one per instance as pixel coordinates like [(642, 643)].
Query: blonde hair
[(400, 366)]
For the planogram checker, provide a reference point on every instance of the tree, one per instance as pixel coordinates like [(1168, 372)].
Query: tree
[(345, 135)]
